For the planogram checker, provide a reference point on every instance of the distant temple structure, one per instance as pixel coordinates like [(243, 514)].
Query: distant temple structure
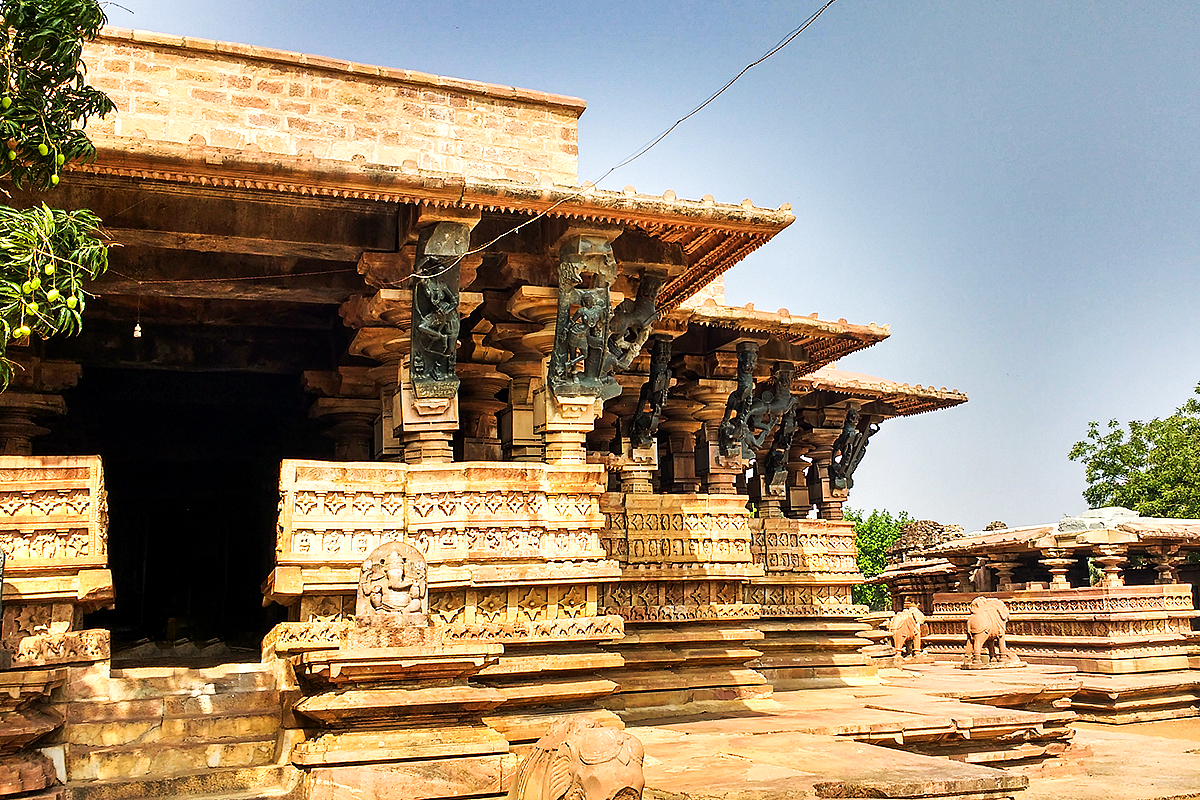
[(419, 446), (1100, 592)]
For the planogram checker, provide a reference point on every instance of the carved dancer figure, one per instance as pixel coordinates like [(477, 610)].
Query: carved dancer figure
[(436, 326), (630, 325), (906, 628), (987, 624), (579, 760), (439, 324), (776, 461), (733, 427), (848, 450), (653, 396), (584, 334)]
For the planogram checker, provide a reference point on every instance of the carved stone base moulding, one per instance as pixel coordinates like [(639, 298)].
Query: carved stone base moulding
[(54, 536)]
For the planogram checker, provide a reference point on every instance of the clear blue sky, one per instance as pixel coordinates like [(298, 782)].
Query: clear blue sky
[(1012, 186)]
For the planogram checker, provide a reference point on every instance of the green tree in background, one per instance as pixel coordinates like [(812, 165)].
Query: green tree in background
[(1151, 467), (47, 256), (873, 535)]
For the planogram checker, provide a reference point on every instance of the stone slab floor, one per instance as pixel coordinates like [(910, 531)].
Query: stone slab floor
[(818, 743)]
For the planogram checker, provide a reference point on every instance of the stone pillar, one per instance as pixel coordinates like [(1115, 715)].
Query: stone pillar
[(1166, 559), (826, 427), (678, 431), (353, 429), (635, 466), (821, 492), (963, 567), (718, 474), (562, 423), (479, 408), (32, 394), (388, 346), (18, 410), (1110, 557), (1058, 561), (348, 398), (796, 502), (518, 442), (1004, 564)]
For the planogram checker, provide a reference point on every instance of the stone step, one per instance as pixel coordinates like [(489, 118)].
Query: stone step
[(173, 706), (162, 760), (148, 682), (198, 729), (254, 783)]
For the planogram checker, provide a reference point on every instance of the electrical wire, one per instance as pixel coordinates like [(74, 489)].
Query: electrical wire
[(782, 43), (583, 189)]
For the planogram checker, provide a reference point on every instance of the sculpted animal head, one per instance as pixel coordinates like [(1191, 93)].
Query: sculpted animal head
[(579, 760)]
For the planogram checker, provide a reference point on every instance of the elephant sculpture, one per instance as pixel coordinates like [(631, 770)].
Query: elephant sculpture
[(579, 760), (987, 624), (906, 627)]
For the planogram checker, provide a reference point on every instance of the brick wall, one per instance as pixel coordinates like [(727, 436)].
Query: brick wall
[(172, 89)]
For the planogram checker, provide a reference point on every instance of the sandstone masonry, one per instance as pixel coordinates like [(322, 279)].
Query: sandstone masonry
[(183, 90)]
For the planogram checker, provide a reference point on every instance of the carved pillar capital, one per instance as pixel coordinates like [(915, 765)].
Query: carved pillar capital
[(1166, 559), (347, 398), (1058, 561), (1111, 557), (18, 410), (718, 473)]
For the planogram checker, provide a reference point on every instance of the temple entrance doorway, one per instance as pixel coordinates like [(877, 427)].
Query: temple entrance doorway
[(191, 465)]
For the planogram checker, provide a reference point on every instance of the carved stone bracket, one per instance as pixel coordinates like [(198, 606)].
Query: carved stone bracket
[(435, 318), (586, 269), (643, 426), (849, 449), (734, 428)]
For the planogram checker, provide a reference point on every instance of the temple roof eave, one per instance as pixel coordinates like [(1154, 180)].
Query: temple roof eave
[(713, 236)]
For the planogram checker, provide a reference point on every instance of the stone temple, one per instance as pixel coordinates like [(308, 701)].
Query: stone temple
[(388, 446)]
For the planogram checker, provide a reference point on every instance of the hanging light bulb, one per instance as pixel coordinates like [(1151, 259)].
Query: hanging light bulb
[(137, 330)]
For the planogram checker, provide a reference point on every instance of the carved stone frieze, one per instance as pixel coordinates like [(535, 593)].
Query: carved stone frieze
[(65, 647), (678, 529), (677, 601), (54, 540), (799, 600), (808, 545)]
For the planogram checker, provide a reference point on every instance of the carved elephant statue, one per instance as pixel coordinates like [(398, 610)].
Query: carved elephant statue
[(987, 624), (906, 627), (579, 760)]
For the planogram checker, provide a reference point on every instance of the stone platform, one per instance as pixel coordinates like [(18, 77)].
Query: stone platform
[(943, 732), (968, 736), (1122, 699)]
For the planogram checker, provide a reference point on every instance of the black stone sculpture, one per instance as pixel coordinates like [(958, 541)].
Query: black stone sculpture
[(577, 363), (435, 319), (849, 449), (631, 321), (733, 429), (653, 396)]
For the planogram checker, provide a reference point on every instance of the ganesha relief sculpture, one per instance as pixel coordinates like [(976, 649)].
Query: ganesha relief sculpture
[(393, 582)]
